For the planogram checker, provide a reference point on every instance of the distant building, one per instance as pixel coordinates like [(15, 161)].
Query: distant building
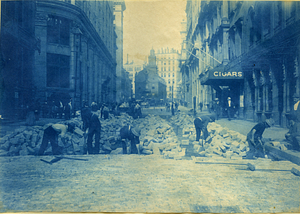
[(148, 84), (132, 68), (167, 62)]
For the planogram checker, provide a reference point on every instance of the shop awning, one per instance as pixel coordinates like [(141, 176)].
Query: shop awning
[(220, 75)]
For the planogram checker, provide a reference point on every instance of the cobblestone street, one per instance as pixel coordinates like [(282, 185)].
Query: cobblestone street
[(132, 183)]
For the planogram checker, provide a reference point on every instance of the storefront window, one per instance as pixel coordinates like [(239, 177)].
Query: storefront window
[(58, 71)]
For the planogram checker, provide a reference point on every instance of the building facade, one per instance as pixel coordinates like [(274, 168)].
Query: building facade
[(18, 45), (133, 68), (167, 62), (148, 84), (248, 51), (78, 51), (122, 92)]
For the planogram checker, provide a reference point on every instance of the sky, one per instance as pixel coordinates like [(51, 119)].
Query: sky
[(151, 24)]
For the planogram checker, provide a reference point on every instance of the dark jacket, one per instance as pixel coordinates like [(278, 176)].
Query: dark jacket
[(126, 133), (201, 122)]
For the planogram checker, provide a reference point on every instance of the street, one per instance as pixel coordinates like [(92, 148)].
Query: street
[(148, 183), (132, 183)]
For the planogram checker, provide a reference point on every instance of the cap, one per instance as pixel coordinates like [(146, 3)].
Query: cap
[(136, 131), (229, 98), (296, 96), (270, 122)]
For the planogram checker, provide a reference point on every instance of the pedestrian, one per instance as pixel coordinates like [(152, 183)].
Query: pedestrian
[(92, 128), (254, 139), (217, 108), (68, 110), (60, 109), (137, 111), (201, 106), (295, 112), (132, 134), (229, 106), (105, 112), (51, 134), (201, 126)]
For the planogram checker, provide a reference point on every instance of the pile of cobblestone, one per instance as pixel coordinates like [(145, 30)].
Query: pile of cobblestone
[(158, 138), (221, 142)]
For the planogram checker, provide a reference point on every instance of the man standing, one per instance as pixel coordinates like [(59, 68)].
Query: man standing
[(229, 106), (293, 136), (132, 134), (201, 106), (91, 128), (68, 110), (254, 139), (51, 133), (217, 108), (201, 125)]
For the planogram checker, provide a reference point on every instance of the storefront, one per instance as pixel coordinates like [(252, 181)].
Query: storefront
[(226, 82)]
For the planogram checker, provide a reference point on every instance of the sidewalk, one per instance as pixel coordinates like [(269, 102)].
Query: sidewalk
[(275, 133)]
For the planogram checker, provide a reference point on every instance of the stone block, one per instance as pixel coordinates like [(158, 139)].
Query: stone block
[(197, 148), (223, 132), (4, 153), (117, 151), (5, 146), (14, 141), (24, 152), (156, 151), (147, 152)]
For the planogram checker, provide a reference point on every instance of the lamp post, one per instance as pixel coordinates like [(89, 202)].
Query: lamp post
[(172, 106)]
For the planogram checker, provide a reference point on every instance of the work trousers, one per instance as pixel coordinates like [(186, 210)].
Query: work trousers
[(133, 147), (90, 148), (50, 135), (256, 148), (198, 133)]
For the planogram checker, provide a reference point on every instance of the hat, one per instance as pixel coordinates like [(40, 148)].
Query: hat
[(229, 98), (270, 122), (216, 98), (136, 131), (296, 96)]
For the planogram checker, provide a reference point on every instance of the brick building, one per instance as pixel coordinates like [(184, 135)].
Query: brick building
[(245, 50)]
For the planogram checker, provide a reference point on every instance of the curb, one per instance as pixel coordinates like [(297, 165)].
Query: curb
[(289, 155)]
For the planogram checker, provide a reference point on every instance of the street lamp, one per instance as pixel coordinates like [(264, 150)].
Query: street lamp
[(172, 107)]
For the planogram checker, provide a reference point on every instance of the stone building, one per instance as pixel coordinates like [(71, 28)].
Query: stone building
[(17, 47), (122, 91), (245, 50), (167, 62), (133, 68), (148, 84), (78, 51)]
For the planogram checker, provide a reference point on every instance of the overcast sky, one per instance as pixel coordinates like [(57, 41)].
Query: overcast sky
[(151, 23)]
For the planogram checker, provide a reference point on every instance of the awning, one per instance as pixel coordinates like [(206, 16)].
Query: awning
[(220, 75)]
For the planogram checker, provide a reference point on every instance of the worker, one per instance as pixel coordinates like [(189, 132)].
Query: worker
[(91, 128), (201, 125), (254, 139), (293, 135), (217, 108), (132, 134), (52, 133)]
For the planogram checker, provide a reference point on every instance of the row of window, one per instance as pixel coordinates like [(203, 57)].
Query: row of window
[(165, 75), (166, 69)]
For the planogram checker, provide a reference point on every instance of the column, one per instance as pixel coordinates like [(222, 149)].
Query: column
[(84, 68)]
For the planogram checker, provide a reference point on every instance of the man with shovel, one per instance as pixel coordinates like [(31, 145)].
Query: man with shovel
[(201, 125), (254, 139), (51, 133)]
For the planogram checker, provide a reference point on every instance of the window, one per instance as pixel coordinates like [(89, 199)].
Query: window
[(169, 81), (164, 74), (170, 88), (58, 71), (173, 74), (173, 81), (58, 30), (169, 75)]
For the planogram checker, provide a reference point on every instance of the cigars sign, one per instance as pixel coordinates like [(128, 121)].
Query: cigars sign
[(227, 75)]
